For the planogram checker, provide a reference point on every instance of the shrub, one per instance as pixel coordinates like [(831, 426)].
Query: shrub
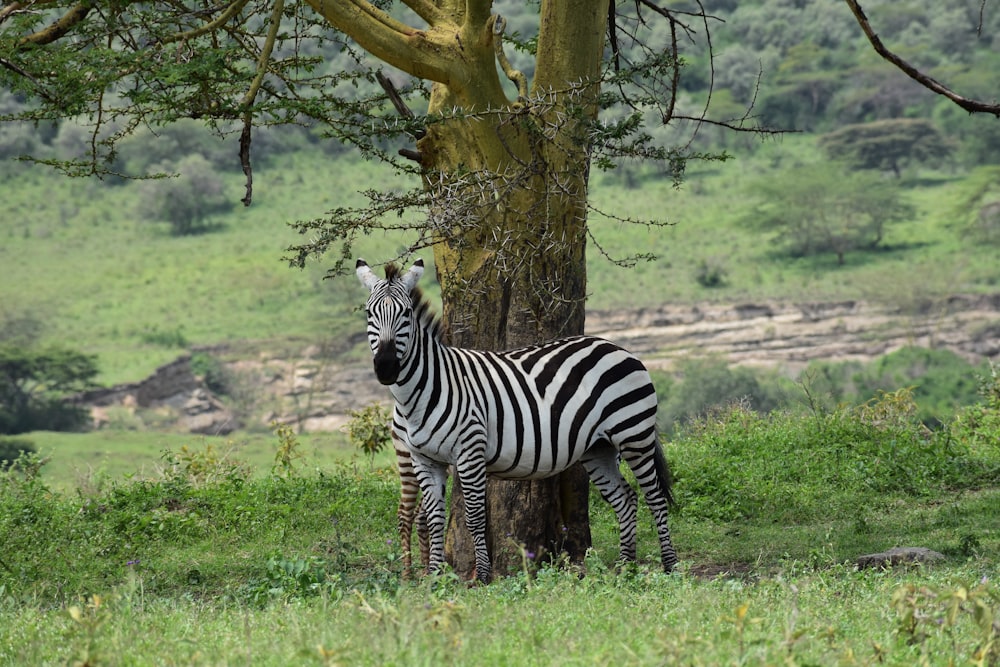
[(369, 429), (11, 449), (704, 384), (736, 464)]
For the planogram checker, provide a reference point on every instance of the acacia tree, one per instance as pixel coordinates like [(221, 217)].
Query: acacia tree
[(503, 158)]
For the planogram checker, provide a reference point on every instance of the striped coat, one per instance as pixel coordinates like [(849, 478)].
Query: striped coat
[(522, 414)]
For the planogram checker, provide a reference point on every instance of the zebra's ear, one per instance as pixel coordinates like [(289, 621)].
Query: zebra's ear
[(365, 274), (413, 275)]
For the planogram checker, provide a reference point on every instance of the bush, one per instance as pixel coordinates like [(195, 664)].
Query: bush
[(703, 384), (11, 450), (34, 383), (942, 381), (977, 427), (188, 201), (736, 464)]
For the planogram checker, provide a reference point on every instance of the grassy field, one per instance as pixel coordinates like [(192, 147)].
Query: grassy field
[(97, 459), (212, 561), (136, 547)]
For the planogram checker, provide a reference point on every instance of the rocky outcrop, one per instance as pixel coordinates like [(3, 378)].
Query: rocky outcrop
[(172, 389), (315, 389), (791, 335)]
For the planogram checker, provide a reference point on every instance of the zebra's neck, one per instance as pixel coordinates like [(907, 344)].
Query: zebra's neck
[(420, 379)]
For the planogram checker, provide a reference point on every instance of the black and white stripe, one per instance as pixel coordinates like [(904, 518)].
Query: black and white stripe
[(521, 414)]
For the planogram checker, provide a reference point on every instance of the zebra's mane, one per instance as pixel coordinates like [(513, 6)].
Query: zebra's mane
[(427, 318)]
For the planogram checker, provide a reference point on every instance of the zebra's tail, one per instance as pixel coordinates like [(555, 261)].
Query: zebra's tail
[(663, 474)]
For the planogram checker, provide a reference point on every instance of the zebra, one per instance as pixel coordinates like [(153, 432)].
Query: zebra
[(527, 413)]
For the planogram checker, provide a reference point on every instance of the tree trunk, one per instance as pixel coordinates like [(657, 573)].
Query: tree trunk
[(515, 275), (510, 182)]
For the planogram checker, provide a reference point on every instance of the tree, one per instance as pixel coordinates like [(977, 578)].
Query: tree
[(34, 384), (186, 200), (503, 164), (887, 144), (823, 208), (503, 161), (969, 104)]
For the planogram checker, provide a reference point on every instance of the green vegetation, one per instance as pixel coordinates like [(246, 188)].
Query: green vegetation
[(34, 383), (137, 547), (203, 560), (120, 289)]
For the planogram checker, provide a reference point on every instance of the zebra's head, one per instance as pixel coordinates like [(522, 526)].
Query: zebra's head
[(390, 315)]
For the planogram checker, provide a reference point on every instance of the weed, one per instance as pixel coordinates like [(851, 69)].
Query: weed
[(369, 429), (925, 611), (288, 449)]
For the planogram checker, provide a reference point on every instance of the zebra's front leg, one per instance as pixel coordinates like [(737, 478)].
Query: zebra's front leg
[(471, 471), (433, 476)]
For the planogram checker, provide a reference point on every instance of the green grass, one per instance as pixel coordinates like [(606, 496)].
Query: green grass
[(212, 560), (97, 459)]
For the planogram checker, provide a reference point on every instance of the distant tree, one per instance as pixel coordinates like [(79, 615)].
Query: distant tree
[(823, 208), (34, 384), (188, 200), (703, 384), (887, 144)]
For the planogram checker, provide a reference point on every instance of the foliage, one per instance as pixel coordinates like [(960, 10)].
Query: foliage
[(212, 372), (823, 208), (887, 144), (736, 464), (978, 426), (205, 566), (941, 381), (34, 383), (11, 449), (920, 607), (189, 200), (288, 450), (701, 385), (370, 429)]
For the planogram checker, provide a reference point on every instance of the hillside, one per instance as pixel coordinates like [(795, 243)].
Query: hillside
[(88, 272)]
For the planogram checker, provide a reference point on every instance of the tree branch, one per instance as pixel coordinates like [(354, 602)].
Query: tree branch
[(425, 54), (251, 95), (498, 24), (970, 105), (211, 26), (60, 27)]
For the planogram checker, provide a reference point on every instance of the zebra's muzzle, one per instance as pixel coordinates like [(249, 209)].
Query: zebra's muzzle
[(386, 365)]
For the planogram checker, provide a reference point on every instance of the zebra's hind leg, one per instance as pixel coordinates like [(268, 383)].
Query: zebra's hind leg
[(601, 463), (650, 468), (409, 493)]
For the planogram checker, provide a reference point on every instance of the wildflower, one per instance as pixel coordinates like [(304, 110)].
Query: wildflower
[(133, 562)]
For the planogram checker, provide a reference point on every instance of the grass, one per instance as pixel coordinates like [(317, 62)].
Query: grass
[(211, 561), (97, 459)]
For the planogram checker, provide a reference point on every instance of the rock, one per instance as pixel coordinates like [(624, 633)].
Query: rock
[(897, 556)]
